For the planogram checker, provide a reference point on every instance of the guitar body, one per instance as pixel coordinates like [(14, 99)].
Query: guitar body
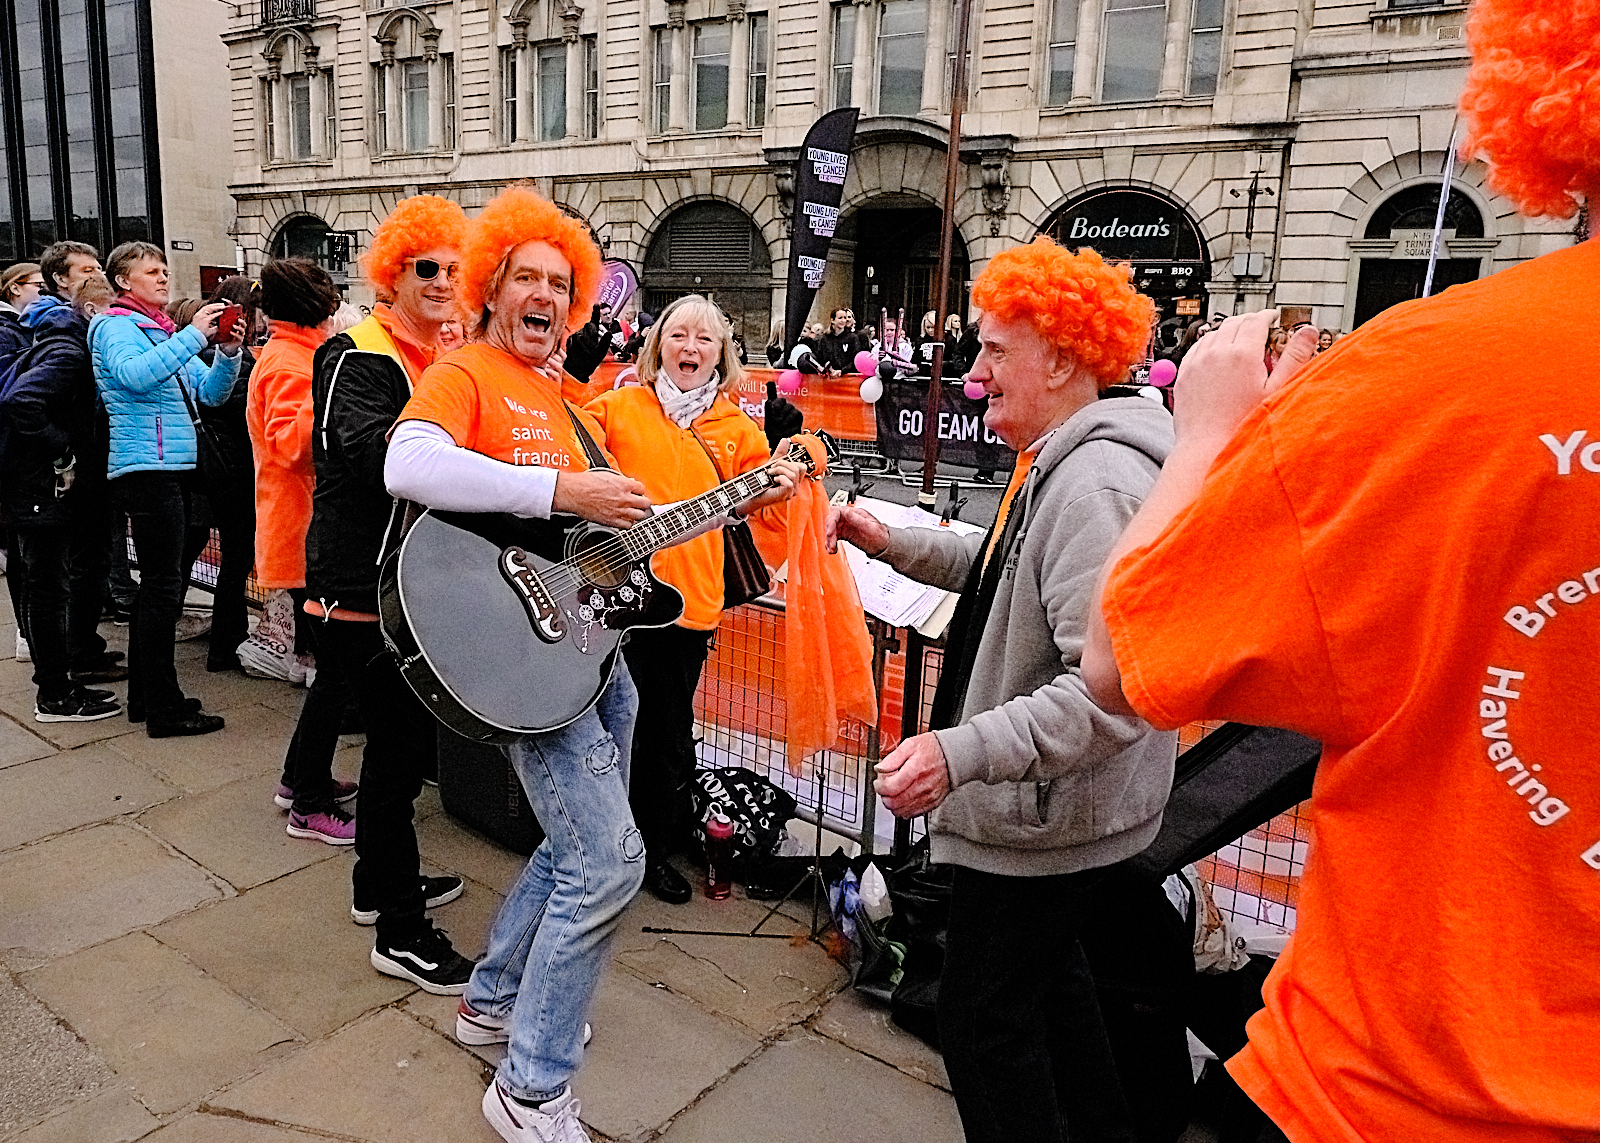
[(504, 628)]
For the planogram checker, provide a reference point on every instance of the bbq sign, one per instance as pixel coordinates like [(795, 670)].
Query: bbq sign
[(1128, 226)]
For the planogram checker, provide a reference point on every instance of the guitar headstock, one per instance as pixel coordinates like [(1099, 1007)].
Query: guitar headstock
[(808, 452)]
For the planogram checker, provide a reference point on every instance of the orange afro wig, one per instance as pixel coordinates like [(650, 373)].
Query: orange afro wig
[(519, 215), (1083, 306), (417, 224), (1532, 100)]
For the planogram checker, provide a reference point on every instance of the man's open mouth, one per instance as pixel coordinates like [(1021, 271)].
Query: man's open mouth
[(538, 323)]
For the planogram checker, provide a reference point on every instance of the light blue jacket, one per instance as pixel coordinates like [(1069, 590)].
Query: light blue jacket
[(138, 369)]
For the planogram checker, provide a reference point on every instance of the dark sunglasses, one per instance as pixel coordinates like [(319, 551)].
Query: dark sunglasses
[(427, 269)]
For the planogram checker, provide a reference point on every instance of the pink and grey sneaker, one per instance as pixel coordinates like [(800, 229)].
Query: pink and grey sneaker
[(478, 1029), (335, 826), (343, 794)]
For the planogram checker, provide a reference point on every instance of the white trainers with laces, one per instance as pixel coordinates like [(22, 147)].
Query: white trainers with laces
[(191, 625), (23, 655), (553, 1122)]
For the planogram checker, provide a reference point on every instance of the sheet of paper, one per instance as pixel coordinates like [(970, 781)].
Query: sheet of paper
[(890, 596)]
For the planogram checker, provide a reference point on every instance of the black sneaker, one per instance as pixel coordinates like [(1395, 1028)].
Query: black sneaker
[(184, 725), (436, 891), (427, 959), (136, 710), (79, 706)]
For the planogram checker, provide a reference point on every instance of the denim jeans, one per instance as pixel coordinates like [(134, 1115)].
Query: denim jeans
[(156, 506), (547, 947)]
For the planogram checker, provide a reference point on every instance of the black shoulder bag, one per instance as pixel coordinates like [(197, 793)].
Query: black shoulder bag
[(744, 572)]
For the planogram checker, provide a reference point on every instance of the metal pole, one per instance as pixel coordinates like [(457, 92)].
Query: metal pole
[(1444, 200), (926, 499)]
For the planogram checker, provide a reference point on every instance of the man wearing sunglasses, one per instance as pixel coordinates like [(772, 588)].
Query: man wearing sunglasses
[(428, 269)]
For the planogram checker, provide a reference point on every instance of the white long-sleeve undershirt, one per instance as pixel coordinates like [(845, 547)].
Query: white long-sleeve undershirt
[(425, 464)]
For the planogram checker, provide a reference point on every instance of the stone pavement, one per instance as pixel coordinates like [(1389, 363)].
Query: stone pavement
[(177, 969)]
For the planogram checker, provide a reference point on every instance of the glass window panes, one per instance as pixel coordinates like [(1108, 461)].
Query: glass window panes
[(1135, 41), (414, 103), (127, 122), (299, 115), (40, 202), (756, 113), (1205, 47), (844, 50), (447, 73), (380, 107), (591, 88), (902, 32), (83, 222), (663, 79), (508, 95), (8, 233), (1062, 53), (552, 64), (711, 46)]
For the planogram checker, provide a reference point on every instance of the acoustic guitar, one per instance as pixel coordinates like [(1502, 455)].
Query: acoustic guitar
[(507, 626)]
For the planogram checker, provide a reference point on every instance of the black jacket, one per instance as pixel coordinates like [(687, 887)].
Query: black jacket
[(14, 336), (50, 412), (229, 427), (838, 350), (357, 396)]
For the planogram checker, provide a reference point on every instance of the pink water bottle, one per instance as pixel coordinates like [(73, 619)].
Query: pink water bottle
[(719, 857)]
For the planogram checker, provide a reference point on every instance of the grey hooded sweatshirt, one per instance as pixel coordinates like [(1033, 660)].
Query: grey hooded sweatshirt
[(1044, 781)]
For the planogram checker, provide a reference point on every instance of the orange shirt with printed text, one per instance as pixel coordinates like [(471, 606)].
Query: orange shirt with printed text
[(489, 401), (1399, 555), (672, 466)]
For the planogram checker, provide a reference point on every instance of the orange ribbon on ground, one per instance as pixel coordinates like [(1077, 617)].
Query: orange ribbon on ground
[(828, 657)]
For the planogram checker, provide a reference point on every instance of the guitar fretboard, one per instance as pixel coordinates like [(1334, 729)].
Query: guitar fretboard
[(664, 528)]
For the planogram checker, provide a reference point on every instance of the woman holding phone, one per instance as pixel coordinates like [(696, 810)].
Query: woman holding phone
[(151, 378)]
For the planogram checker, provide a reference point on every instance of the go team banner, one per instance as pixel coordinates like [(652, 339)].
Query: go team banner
[(963, 438), (818, 188)]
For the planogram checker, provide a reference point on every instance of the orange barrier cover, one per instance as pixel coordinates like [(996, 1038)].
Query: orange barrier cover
[(830, 403)]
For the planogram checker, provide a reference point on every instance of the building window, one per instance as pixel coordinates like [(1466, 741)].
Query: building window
[(1205, 47), (270, 135), (591, 88), (447, 76), (662, 54), (1062, 52), (299, 115), (508, 95), (1135, 42), (380, 109), (902, 34), (551, 60), (414, 104), (712, 44), (756, 92), (844, 51)]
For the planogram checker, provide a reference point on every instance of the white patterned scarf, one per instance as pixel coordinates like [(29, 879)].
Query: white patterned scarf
[(682, 408)]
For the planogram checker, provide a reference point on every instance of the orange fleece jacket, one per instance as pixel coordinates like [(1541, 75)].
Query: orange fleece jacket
[(279, 414)]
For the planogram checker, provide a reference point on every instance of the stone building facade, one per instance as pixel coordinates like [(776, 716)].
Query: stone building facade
[(1238, 152)]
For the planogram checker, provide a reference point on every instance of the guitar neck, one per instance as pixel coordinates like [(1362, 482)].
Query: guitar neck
[(664, 529)]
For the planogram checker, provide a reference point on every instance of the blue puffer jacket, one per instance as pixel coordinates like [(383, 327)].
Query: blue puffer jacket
[(138, 369)]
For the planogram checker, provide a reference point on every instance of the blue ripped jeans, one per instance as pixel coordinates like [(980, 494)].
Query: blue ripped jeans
[(547, 947)]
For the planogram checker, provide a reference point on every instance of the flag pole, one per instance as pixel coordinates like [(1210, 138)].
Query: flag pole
[(952, 172)]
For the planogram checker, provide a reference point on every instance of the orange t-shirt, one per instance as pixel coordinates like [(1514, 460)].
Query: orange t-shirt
[(1399, 555), (672, 466), (490, 402), (278, 415)]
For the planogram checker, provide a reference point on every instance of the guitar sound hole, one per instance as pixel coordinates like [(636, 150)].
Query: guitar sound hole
[(599, 571)]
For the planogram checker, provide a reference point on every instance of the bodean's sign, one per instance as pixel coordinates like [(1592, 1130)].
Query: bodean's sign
[(1084, 229), (1129, 225)]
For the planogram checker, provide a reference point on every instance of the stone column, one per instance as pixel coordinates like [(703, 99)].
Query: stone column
[(1086, 65), (1177, 50), (678, 104), (571, 23), (738, 65), (861, 61), (934, 53)]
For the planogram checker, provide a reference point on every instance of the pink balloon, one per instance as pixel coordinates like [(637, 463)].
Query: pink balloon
[(1163, 373), (866, 364), (973, 389), (789, 382)]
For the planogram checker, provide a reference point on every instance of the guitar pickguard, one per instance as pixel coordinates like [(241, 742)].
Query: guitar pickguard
[(608, 608)]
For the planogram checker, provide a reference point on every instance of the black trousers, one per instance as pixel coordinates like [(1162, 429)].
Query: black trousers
[(17, 582), (63, 569), (1019, 1022), (233, 513), (308, 763), (665, 663), (401, 747), (158, 510)]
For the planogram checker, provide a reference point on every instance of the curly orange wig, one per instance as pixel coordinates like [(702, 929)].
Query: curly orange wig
[(1083, 306), (1532, 100), (519, 215), (422, 222)]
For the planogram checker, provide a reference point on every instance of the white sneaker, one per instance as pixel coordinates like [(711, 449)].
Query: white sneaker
[(303, 671), (552, 1122), (192, 625), (479, 1029), (23, 654)]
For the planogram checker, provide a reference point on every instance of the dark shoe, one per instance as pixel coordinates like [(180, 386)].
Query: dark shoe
[(110, 673), (425, 958), (216, 664), (97, 694), (184, 725), (121, 616), (136, 712), (436, 891), (666, 882), (79, 706)]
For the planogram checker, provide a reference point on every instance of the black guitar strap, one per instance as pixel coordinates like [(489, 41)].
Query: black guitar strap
[(597, 459)]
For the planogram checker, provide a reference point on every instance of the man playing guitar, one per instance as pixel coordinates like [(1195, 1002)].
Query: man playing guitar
[(487, 431)]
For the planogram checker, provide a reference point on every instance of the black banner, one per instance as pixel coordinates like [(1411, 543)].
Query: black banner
[(818, 186), (963, 438)]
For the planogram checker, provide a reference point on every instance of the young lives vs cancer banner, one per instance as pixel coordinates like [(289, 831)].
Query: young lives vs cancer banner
[(818, 188)]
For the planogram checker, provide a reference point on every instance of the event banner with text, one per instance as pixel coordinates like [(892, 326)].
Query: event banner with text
[(819, 175), (963, 439)]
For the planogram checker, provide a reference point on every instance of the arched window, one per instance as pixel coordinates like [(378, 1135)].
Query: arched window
[(1417, 208), (413, 87), (306, 236), (298, 101), (712, 248), (1393, 252)]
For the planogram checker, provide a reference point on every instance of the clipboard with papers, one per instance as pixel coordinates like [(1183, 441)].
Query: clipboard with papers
[(892, 597)]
